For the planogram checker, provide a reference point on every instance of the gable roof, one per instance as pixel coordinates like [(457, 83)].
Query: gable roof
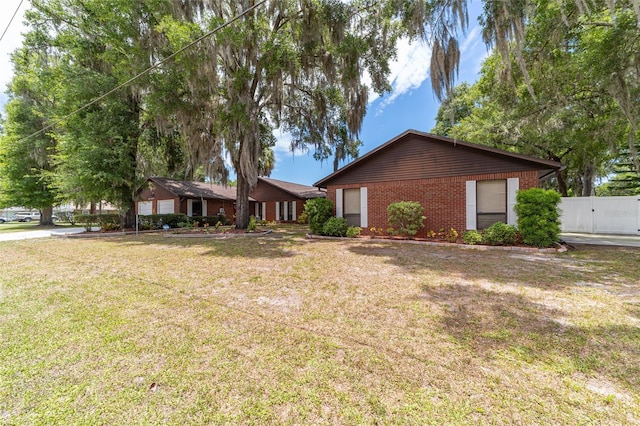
[(197, 189), (297, 190), (427, 141)]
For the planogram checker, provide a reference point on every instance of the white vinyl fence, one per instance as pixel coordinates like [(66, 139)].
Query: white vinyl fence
[(601, 215)]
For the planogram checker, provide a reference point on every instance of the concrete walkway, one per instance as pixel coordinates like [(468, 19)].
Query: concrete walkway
[(601, 239)]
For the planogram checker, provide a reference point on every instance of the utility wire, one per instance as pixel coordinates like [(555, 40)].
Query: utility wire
[(11, 20), (152, 67)]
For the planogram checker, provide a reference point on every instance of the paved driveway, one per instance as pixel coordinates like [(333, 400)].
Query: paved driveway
[(25, 235), (601, 239)]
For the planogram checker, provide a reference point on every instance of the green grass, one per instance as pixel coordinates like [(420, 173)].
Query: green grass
[(283, 330)]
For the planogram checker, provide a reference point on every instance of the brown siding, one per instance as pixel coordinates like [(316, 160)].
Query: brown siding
[(270, 195), (443, 199), (415, 157), (266, 192)]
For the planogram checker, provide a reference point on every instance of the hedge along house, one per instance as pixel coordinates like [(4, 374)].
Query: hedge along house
[(168, 196), (282, 201), (460, 185)]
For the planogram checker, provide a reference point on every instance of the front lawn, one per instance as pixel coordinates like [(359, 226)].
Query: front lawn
[(284, 330)]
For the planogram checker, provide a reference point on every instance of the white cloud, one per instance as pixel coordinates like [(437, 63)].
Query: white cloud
[(13, 37), (408, 71), (472, 40)]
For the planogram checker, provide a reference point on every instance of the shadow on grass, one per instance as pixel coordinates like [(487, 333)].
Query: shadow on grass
[(509, 326), (612, 267)]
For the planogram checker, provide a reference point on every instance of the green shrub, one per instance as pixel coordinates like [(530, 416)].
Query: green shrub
[(106, 222), (318, 211), (336, 227), (472, 237), (406, 217), (303, 219), (87, 220), (538, 216), (109, 222), (500, 234), (210, 220), (353, 231), (253, 224), (156, 221), (66, 217)]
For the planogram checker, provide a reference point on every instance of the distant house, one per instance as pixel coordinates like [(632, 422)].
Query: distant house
[(282, 201), (271, 199), (166, 196), (460, 185)]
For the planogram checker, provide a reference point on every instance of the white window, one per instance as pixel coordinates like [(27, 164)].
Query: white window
[(145, 208), (166, 207), (284, 210), (352, 204), (491, 201)]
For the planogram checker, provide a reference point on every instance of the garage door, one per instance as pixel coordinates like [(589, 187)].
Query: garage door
[(166, 207), (145, 208)]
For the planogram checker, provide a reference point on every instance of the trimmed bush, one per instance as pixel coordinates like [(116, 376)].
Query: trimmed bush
[(210, 220), (406, 217), (106, 222), (335, 227), (318, 211), (353, 231), (538, 216), (500, 234), (302, 218), (156, 221), (253, 224), (472, 237)]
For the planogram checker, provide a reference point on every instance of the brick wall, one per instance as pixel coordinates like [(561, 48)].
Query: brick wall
[(443, 199)]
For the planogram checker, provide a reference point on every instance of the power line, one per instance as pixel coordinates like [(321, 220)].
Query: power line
[(146, 71), (11, 20)]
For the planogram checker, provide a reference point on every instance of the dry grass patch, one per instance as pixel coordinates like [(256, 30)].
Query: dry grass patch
[(283, 330)]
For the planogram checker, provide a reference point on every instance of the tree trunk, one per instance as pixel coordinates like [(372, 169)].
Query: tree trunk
[(46, 216), (562, 184), (587, 180), (242, 202)]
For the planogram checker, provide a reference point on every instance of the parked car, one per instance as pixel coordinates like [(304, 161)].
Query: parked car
[(27, 216), (4, 219)]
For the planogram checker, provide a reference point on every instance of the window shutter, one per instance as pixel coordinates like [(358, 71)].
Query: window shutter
[(364, 211), (293, 211), (277, 210), (255, 211), (204, 207), (189, 208), (513, 185), (264, 211), (471, 205), (338, 202)]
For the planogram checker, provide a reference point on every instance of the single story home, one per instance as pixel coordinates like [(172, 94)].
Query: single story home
[(461, 185), (168, 196), (271, 199), (282, 201)]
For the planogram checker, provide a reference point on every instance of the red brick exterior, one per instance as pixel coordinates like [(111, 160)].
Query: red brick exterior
[(270, 195), (443, 199)]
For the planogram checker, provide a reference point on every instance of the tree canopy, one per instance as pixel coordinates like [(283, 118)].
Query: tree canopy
[(568, 106)]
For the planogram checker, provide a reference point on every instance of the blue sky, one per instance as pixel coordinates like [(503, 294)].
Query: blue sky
[(410, 105)]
